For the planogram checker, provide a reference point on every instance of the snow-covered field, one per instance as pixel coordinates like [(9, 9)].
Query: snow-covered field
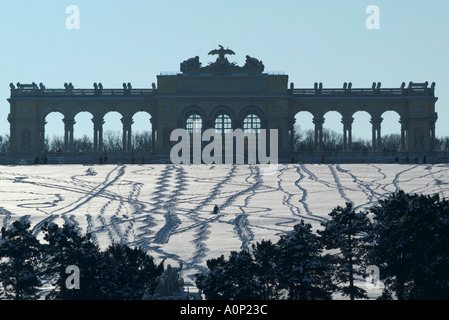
[(167, 209)]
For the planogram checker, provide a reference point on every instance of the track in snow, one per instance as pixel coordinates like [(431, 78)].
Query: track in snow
[(167, 209)]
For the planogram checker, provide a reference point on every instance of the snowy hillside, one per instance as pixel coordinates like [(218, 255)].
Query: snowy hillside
[(168, 210)]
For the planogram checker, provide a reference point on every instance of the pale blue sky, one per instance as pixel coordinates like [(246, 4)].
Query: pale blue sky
[(311, 41)]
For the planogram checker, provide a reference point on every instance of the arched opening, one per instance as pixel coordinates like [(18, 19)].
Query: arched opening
[(333, 140), (251, 123), (54, 132), (304, 132), (361, 132), (142, 132), (391, 133), (194, 123), (223, 123), (83, 132), (113, 132)]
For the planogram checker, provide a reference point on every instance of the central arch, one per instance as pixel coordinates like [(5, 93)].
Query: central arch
[(223, 120)]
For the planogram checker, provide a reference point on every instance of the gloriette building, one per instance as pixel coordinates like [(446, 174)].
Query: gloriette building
[(220, 95)]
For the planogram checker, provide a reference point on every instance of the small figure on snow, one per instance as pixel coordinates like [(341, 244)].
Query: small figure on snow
[(215, 209)]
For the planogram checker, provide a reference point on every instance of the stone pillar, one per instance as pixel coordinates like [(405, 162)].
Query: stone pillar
[(379, 137), (153, 135), (376, 138), (95, 146), (291, 131), (432, 135), (347, 133), (207, 123), (373, 140), (42, 124), (130, 143), (318, 121), (68, 134), (100, 139), (237, 124), (403, 134), (127, 123), (98, 134)]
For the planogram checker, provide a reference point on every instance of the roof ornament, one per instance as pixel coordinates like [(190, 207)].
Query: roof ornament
[(222, 64)]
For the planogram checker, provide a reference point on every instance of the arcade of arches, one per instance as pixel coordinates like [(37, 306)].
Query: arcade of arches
[(221, 96)]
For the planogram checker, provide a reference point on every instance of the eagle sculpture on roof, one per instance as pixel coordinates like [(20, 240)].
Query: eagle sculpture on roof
[(221, 52), (222, 65)]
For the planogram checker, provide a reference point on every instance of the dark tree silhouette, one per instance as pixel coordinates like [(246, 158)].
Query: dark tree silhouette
[(128, 272), (66, 247), (411, 237), (348, 232), (19, 262), (304, 271)]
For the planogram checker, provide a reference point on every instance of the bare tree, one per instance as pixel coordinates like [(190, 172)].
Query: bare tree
[(142, 141), (56, 144), (391, 142), (332, 140), (442, 144), (83, 144), (4, 144), (112, 141)]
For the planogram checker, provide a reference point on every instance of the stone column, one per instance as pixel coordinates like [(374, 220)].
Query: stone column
[(98, 134), (291, 130), (100, 139), (207, 123), (153, 134), (403, 134), (42, 124), (127, 123), (376, 138), (318, 121), (432, 135), (379, 136), (68, 134), (130, 143), (347, 133)]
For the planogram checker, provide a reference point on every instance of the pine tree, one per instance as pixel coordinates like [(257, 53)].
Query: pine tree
[(266, 255), (241, 273), (411, 236), (66, 247), (232, 279), (128, 272), (348, 232), (215, 283), (19, 266), (303, 271)]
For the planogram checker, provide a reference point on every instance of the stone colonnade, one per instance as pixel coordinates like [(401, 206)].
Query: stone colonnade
[(98, 123), (376, 129), (169, 104)]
